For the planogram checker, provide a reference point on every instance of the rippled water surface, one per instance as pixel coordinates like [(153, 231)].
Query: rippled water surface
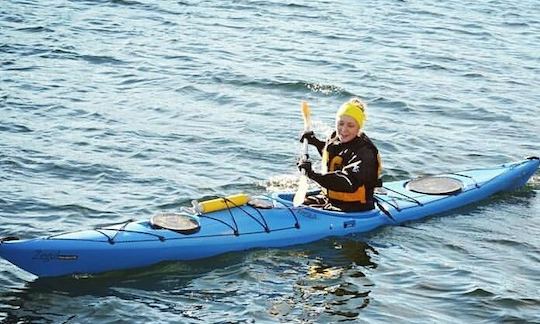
[(111, 110)]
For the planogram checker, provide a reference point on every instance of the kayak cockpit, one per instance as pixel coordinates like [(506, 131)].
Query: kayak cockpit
[(286, 198)]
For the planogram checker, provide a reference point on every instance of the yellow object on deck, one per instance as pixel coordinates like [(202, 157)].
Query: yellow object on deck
[(221, 203)]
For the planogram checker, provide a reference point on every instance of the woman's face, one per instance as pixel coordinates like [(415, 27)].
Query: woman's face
[(347, 128)]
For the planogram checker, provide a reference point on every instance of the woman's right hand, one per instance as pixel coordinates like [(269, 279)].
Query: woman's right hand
[(309, 136)]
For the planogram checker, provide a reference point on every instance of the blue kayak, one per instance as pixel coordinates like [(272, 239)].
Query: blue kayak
[(273, 224)]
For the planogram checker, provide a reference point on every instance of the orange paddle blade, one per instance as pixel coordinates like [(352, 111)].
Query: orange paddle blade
[(306, 114)]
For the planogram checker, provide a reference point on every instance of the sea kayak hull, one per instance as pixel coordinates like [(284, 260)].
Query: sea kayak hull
[(137, 244)]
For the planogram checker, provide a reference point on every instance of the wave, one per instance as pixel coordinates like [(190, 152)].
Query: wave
[(289, 86), (36, 29), (14, 128)]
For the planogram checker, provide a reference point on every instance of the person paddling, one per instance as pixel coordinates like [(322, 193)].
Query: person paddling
[(351, 164)]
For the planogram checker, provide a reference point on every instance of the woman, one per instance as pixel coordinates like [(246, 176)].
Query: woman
[(351, 164)]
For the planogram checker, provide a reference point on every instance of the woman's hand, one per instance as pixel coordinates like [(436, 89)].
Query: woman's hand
[(309, 136), (305, 166)]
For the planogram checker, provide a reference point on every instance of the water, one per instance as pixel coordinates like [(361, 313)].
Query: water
[(111, 110)]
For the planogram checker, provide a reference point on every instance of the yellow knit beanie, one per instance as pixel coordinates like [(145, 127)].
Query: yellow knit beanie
[(354, 108)]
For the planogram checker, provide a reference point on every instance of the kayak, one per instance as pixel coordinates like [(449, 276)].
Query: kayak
[(263, 222)]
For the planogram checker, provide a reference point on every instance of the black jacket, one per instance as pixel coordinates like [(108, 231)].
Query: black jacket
[(359, 166)]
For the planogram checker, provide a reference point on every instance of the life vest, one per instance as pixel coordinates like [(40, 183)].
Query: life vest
[(362, 195)]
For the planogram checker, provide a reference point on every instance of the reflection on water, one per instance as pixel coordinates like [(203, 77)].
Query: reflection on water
[(45, 299), (334, 285)]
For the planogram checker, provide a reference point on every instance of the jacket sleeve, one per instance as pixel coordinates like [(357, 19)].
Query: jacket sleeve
[(361, 169), (318, 144), (313, 140)]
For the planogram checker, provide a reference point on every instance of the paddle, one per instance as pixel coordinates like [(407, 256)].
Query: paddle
[(303, 183)]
